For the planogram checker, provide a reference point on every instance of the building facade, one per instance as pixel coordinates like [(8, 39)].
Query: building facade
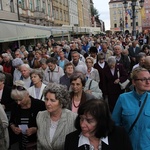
[(121, 19), (146, 16)]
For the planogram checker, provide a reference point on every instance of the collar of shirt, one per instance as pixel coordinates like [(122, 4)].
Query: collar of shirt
[(84, 140)]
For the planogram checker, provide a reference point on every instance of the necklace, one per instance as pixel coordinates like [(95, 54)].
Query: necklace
[(76, 106)]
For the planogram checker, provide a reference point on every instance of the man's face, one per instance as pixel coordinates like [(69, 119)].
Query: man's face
[(75, 57), (25, 72)]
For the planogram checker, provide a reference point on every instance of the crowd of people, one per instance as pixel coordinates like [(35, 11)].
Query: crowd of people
[(67, 95)]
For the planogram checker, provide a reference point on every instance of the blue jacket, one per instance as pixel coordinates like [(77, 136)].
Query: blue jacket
[(124, 114)]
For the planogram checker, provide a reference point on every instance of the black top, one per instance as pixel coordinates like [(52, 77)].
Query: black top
[(31, 113), (118, 140)]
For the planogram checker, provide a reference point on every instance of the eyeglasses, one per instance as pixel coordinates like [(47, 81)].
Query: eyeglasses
[(19, 88), (143, 80)]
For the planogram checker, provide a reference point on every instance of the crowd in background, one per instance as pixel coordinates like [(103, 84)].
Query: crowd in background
[(42, 90)]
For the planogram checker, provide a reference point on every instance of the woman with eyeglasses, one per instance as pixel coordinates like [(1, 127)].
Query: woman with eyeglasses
[(96, 129), (23, 116), (128, 107), (57, 121)]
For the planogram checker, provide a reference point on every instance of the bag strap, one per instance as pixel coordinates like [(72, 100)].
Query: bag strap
[(90, 84), (138, 114)]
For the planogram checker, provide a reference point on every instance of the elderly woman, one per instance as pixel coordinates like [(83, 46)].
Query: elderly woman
[(23, 116), (57, 121), (7, 66), (36, 91), (113, 89), (65, 79), (92, 73), (16, 63), (96, 130), (4, 137), (5, 98), (78, 96)]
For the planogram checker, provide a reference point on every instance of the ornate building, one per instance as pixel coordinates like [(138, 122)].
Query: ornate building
[(121, 19)]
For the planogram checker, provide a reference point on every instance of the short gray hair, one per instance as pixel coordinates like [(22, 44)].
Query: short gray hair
[(111, 60), (60, 91), (37, 72)]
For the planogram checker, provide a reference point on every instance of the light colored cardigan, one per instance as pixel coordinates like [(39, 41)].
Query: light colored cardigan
[(32, 93), (65, 126)]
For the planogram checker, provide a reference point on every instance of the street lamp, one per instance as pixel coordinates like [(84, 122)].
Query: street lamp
[(133, 4)]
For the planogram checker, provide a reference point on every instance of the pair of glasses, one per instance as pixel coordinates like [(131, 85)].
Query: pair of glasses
[(19, 88), (143, 80)]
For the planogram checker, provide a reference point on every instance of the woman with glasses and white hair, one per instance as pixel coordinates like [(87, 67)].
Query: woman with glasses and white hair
[(23, 116), (132, 110)]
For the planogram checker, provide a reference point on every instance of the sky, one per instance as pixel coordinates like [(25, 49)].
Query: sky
[(103, 8)]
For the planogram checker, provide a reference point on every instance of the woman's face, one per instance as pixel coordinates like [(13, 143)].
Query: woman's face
[(23, 102), (88, 125), (76, 85), (112, 66), (69, 70), (89, 63), (51, 103), (35, 79)]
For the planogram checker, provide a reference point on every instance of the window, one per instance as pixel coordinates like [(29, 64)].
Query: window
[(43, 7), (136, 23), (38, 5), (49, 9), (31, 5), (115, 25), (131, 24), (22, 3), (1, 8)]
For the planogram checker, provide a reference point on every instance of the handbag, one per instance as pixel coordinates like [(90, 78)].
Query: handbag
[(130, 129), (124, 84)]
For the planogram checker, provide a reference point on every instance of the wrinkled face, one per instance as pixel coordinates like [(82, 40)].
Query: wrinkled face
[(75, 57), (89, 63), (35, 79), (25, 72), (22, 101), (142, 61), (37, 55), (101, 60), (69, 70), (112, 66), (44, 66), (117, 50), (51, 103), (142, 82), (6, 59), (88, 125), (104, 48), (51, 66), (17, 55), (76, 85), (61, 54)]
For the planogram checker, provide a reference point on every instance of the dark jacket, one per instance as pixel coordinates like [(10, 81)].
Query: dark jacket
[(118, 140), (6, 98), (36, 106)]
